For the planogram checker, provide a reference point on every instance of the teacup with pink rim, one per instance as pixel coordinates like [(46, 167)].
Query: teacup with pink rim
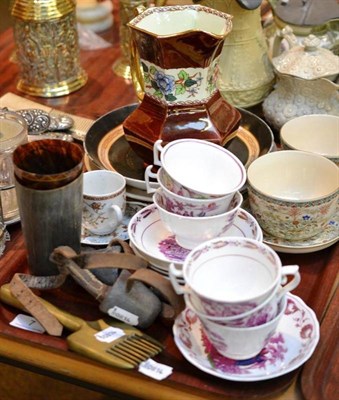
[(191, 231), (226, 276), (199, 169), (182, 205), (262, 313), (241, 343)]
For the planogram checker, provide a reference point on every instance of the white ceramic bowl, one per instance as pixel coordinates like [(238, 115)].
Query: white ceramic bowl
[(183, 205), (317, 133), (192, 231), (155, 243), (261, 314), (241, 343), (200, 168), (293, 194)]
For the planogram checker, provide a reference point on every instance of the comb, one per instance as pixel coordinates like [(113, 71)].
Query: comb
[(127, 351)]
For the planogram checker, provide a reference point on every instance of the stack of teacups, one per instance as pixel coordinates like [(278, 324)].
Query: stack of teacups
[(237, 287), (199, 189)]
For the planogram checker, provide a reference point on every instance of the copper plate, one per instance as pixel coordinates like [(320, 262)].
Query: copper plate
[(107, 147)]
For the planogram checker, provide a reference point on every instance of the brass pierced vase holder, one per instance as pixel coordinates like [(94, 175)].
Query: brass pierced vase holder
[(47, 48), (126, 12)]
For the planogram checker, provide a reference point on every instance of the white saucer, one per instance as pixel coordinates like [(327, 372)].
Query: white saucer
[(120, 233), (326, 238), (138, 194), (293, 344), (154, 242)]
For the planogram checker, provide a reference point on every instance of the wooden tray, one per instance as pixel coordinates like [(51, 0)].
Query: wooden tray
[(51, 354)]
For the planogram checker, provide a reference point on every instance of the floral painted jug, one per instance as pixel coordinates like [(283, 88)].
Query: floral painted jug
[(175, 50)]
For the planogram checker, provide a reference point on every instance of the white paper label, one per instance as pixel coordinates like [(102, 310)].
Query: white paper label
[(109, 334), (155, 370), (27, 323), (123, 315)]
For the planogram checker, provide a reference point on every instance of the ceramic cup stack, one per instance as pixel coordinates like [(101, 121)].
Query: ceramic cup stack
[(237, 288), (198, 196)]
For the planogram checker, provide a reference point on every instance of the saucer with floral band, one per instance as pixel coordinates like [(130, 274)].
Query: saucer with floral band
[(291, 346), (121, 232)]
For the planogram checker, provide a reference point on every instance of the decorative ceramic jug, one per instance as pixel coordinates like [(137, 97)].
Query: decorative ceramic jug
[(304, 82), (177, 48), (246, 73), (295, 96), (305, 18)]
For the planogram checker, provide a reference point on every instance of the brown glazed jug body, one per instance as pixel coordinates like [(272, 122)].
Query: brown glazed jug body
[(175, 53)]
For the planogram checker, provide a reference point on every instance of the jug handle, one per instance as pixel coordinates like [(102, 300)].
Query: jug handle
[(285, 33), (136, 68)]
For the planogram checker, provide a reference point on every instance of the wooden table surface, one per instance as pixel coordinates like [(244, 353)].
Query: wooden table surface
[(48, 355)]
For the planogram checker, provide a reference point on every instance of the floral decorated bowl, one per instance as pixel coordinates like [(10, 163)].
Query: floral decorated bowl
[(241, 343), (192, 231), (261, 314), (183, 205), (199, 169), (293, 194)]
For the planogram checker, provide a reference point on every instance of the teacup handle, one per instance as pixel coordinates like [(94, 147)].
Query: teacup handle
[(174, 273), (289, 270), (116, 210), (149, 174), (135, 63), (157, 149)]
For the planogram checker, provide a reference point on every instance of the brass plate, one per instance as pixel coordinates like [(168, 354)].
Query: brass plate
[(108, 148)]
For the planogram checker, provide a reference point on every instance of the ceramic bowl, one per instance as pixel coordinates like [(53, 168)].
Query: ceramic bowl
[(200, 169), (317, 133), (191, 231), (182, 205), (241, 343), (263, 313), (293, 194), (228, 276), (156, 244)]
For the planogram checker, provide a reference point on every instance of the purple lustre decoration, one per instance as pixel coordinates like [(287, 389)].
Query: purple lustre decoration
[(272, 353), (170, 248)]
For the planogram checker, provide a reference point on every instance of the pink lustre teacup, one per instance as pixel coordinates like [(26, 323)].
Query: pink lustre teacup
[(191, 231), (184, 205), (200, 169), (293, 194), (241, 343), (262, 313), (226, 276)]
